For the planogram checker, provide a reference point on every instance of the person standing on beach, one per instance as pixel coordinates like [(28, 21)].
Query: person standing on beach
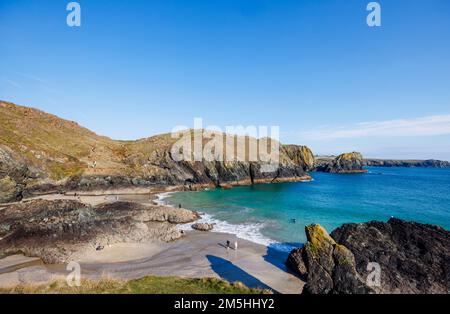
[(235, 245), (228, 244)]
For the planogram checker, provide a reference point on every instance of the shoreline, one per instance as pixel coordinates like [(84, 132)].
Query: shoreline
[(245, 231), (157, 196), (196, 255)]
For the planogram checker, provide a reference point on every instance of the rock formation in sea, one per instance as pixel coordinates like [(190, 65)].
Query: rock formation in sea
[(55, 230), (40, 152), (412, 258), (344, 163)]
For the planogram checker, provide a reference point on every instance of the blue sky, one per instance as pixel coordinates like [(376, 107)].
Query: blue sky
[(314, 68)]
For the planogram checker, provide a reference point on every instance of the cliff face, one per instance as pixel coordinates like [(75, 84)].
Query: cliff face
[(327, 267), (412, 258), (344, 163), (300, 155), (15, 174), (39, 151)]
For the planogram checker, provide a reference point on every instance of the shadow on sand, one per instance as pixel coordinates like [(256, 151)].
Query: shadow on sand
[(231, 273), (277, 254)]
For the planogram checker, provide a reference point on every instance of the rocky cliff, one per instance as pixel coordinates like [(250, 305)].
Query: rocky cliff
[(412, 258), (40, 152), (344, 163)]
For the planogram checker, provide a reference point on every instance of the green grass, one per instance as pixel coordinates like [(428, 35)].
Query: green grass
[(146, 285)]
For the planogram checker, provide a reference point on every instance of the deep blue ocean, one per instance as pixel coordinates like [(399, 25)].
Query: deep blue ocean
[(265, 213)]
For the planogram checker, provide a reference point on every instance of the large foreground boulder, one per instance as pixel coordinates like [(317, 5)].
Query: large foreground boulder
[(203, 227), (406, 257), (328, 267), (413, 257)]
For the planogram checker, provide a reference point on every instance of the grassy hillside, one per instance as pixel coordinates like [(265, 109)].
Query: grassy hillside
[(48, 150), (146, 285), (62, 148)]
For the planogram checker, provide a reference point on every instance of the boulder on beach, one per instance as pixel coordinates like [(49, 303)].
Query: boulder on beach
[(203, 227)]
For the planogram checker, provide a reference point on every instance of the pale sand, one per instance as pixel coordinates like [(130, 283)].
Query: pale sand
[(195, 256)]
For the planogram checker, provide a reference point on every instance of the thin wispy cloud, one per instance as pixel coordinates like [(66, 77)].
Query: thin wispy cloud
[(423, 126), (32, 77), (10, 82), (38, 81)]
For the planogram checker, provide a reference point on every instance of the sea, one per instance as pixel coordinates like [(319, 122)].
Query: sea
[(278, 213)]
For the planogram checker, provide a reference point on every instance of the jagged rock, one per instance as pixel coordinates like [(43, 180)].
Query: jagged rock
[(344, 163), (297, 262), (170, 214), (54, 230), (414, 257), (300, 155), (14, 175), (327, 266), (9, 190), (203, 227)]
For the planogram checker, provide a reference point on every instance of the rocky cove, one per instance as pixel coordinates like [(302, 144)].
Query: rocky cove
[(76, 162)]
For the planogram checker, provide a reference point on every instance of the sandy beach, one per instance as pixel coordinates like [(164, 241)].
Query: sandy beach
[(197, 255)]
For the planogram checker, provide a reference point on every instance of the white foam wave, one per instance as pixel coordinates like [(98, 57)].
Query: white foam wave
[(161, 198), (246, 231)]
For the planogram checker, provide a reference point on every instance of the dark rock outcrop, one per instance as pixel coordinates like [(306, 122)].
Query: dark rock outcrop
[(54, 230), (15, 174), (327, 267), (344, 163), (412, 258)]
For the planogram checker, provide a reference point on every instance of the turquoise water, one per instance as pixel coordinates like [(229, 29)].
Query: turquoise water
[(264, 213)]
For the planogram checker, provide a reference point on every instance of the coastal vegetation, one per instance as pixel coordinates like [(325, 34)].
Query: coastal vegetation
[(146, 285)]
